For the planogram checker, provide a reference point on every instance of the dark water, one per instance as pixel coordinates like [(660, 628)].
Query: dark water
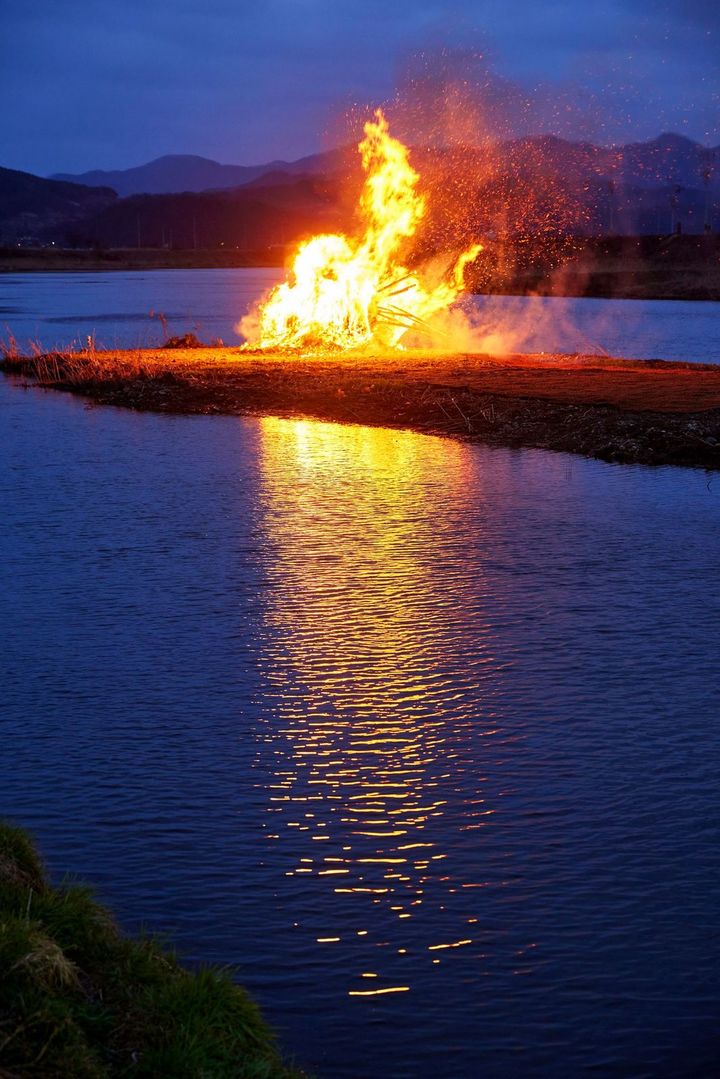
[(121, 309), (422, 736)]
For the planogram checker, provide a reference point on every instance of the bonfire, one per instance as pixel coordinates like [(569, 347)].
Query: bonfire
[(348, 292)]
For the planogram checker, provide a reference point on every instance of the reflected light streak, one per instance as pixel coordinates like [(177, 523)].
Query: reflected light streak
[(367, 669)]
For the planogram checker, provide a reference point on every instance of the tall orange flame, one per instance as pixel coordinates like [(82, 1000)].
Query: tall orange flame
[(351, 292)]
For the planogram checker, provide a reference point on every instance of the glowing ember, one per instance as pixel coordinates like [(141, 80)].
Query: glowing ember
[(349, 292)]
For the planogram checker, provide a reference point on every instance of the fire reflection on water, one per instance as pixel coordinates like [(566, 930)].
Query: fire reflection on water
[(370, 685)]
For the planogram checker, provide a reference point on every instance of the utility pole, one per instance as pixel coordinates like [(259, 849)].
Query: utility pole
[(707, 176), (675, 225)]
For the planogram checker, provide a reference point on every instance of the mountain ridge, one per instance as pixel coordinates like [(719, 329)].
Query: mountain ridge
[(544, 186), (179, 173), (30, 204), (667, 158)]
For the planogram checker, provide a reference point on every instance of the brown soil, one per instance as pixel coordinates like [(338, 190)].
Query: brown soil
[(617, 410)]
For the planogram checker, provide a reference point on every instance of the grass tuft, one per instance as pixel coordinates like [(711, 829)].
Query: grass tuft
[(79, 999), (20, 864)]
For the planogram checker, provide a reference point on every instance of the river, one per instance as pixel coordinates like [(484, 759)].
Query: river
[(122, 309), (422, 736)]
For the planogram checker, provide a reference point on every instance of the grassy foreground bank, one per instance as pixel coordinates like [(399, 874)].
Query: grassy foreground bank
[(629, 411), (80, 1001)]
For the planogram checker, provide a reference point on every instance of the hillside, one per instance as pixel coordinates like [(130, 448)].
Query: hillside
[(661, 162), (31, 206), (252, 217), (523, 194)]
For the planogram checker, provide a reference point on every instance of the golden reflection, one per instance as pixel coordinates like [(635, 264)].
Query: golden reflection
[(372, 683)]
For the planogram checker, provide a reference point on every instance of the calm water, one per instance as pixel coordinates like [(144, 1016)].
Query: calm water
[(121, 309), (421, 736)]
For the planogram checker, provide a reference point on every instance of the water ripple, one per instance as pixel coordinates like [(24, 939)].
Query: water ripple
[(422, 736)]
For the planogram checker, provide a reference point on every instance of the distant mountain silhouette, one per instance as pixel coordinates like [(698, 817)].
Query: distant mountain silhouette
[(667, 159), (178, 173), (31, 205), (535, 187)]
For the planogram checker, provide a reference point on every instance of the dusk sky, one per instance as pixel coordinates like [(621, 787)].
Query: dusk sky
[(108, 84)]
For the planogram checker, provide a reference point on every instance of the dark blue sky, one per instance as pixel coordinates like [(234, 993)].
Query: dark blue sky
[(114, 83)]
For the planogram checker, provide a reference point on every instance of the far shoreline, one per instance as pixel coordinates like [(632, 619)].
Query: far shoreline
[(685, 268)]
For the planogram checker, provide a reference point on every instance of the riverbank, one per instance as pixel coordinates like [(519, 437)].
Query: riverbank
[(608, 267), (678, 267), (68, 260), (629, 411), (79, 999)]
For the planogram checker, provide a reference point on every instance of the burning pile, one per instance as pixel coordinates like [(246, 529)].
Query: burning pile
[(347, 292)]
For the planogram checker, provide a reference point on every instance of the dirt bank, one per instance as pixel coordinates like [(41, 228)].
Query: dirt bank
[(617, 410)]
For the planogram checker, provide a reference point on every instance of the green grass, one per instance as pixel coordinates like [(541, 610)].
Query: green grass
[(79, 1000)]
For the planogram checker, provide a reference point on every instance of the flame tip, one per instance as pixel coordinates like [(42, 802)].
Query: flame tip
[(332, 298)]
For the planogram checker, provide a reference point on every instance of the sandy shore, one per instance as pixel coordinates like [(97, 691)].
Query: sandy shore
[(642, 412)]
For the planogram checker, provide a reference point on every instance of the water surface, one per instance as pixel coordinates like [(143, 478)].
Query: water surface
[(420, 735), (122, 309)]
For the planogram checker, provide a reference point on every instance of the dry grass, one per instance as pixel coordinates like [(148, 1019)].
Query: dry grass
[(584, 380), (78, 368)]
